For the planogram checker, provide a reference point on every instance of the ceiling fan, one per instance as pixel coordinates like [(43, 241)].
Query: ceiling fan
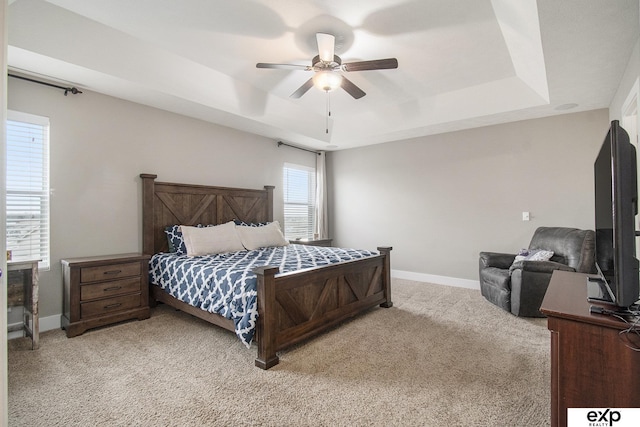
[(326, 66)]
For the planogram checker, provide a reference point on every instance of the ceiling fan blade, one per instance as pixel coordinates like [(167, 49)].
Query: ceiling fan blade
[(284, 66), (326, 46), (376, 64), (302, 89), (351, 88)]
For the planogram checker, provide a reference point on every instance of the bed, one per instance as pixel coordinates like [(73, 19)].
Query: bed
[(291, 306)]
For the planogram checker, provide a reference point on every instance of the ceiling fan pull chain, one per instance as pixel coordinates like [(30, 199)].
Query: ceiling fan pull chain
[(328, 111)]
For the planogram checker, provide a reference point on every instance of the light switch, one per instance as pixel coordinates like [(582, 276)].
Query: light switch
[(525, 216)]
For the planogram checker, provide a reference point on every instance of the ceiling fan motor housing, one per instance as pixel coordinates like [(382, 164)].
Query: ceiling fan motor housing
[(318, 64)]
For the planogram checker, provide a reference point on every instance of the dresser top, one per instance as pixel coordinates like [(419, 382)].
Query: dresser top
[(105, 259), (566, 298)]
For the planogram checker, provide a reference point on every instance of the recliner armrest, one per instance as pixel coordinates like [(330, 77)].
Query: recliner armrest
[(496, 259), (541, 266)]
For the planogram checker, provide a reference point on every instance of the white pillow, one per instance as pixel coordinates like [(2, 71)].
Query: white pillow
[(530, 255), (261, 237), (533, 255), (211, 240)]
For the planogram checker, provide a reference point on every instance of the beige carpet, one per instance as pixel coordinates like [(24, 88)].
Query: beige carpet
[(442, 356)]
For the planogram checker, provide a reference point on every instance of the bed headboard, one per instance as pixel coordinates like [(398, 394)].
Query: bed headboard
[(166, 203)]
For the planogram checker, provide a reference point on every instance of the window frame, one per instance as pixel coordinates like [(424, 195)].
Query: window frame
[(42, 196), (308, 206)]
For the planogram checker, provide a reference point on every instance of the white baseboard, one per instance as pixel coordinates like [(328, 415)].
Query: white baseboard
[(438, 280), (46, 324)]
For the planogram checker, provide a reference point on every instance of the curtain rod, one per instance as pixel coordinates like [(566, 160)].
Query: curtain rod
[(299, 148), (71, 89)]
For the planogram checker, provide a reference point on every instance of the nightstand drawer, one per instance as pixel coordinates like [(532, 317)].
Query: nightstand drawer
[(110, 288), (109, 272), (109, 305)]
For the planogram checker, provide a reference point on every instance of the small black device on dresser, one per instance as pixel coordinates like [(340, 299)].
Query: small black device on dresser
[(103, 290)]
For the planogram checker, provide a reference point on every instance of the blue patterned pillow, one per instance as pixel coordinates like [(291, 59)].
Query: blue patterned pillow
[(250, 224), (175, 240)]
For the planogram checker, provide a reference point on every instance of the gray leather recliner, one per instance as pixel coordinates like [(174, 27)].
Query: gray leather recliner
[(520, 287)]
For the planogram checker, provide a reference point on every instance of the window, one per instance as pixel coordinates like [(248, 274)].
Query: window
[(299, 201), (27, 187)]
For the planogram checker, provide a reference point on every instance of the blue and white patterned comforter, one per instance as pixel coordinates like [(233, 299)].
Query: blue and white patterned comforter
[(225, 283)]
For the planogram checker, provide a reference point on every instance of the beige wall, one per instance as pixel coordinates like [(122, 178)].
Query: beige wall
[(100, 145), (440, 200)]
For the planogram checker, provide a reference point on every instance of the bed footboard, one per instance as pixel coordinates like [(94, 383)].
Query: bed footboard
[(298, 305)]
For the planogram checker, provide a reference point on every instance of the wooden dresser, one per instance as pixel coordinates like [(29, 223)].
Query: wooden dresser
[(591, 365), (103, 290)]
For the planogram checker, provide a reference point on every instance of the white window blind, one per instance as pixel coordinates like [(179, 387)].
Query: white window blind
[(27, 187), (299, 201)]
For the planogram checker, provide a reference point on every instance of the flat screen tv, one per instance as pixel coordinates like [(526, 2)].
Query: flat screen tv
[(616, 197)]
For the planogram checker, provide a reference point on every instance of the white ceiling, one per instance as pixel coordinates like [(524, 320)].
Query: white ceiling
[(462, 63)]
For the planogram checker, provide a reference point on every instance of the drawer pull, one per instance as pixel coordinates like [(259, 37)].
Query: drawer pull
[(113, 288), (113, 272), (118, 304)]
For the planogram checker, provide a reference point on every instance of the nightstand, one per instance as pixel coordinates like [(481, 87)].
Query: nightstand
[(312, 242), (100, 291)]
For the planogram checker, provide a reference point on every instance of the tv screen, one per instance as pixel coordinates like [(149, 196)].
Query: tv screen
[(616, 196)]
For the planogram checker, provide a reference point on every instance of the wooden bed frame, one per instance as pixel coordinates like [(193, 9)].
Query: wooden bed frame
[(291, 306)]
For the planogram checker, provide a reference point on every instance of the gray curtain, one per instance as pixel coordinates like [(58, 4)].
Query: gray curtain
[(321, 217)]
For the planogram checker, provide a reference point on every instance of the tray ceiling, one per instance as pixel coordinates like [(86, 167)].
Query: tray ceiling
[(462, 63)]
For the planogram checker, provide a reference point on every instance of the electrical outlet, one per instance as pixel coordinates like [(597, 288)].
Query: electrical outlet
[(525, 216)]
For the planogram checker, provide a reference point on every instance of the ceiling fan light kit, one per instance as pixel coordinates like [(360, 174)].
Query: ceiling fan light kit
[(327, 81)]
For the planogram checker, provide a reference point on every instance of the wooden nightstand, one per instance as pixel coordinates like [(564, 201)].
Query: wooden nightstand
[(103, 290), (312, 242)]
